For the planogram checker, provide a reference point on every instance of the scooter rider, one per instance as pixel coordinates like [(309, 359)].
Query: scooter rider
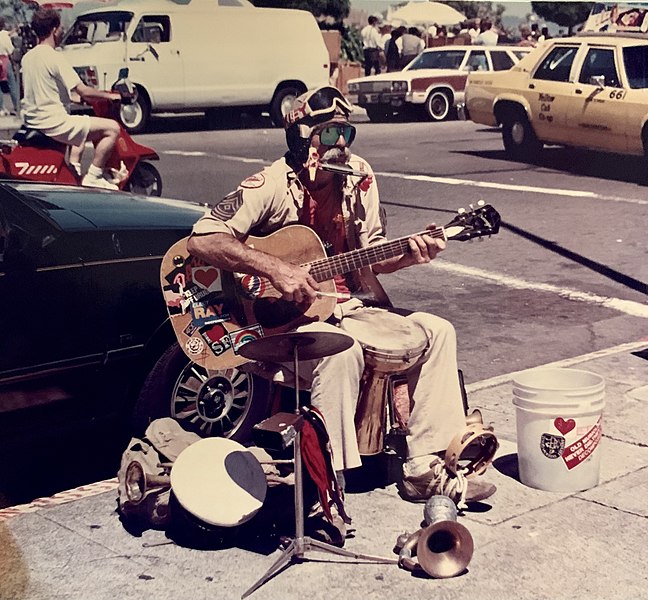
[(48, 83)]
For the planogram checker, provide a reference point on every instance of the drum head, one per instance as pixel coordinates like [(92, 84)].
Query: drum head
[(218, 481)]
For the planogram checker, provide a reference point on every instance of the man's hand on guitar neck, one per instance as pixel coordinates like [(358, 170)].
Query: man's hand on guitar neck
[(422, 249)]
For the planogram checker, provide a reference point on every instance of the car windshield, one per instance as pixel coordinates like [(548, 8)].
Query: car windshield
[(98, 27), (635, 59), (446, 59)]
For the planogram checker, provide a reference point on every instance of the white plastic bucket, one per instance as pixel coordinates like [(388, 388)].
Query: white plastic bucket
[(559, 416)]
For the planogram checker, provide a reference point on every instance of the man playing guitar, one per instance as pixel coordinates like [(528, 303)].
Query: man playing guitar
[(319, 183)]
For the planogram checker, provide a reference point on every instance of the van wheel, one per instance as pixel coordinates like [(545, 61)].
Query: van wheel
[(520, 141), (224, 403), (437, 105), (146, 180), (135, 117), (282, 103)]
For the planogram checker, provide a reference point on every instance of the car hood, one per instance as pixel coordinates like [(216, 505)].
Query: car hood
[(74, 208)]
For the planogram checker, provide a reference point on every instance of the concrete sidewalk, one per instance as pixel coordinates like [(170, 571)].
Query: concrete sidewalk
[(529, 544)]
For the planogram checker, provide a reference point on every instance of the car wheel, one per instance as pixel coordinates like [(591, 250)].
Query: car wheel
[(225, 403), (135, 117), (437, 105), (378, 114), (146, 180), (520, 141), (282, 103)]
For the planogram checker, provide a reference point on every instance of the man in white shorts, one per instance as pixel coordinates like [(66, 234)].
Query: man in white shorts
[(48, 81)]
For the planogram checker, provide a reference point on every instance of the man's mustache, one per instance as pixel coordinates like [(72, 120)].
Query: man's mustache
[(336, 155)]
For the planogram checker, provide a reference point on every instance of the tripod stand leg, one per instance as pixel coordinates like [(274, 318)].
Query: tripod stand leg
[(278, 565), (311, 544)]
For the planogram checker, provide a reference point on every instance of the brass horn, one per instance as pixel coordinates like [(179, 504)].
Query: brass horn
[(139, 484), (443, 547)]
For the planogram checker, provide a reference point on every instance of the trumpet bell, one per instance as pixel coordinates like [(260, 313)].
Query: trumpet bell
[(138, 483), (444, 549)]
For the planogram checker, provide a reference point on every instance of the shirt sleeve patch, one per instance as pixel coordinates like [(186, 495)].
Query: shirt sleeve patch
[(253, 182), (228, 206)]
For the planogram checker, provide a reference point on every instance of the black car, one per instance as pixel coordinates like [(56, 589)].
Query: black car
[(85, 333)]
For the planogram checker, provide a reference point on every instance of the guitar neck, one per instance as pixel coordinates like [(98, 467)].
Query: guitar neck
[(327, 268)]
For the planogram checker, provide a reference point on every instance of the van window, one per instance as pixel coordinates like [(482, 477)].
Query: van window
[(98, 27), (152, 29)]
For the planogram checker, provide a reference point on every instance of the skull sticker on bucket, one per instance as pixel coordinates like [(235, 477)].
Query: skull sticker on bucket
[(552, 446)]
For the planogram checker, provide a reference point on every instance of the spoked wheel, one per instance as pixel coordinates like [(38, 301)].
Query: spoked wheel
[(145, 180), (223, 403)]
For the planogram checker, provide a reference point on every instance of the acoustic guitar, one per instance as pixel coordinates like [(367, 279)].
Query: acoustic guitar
[(214, 312)]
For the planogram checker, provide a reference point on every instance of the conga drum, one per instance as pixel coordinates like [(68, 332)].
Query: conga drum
[(392, 344)]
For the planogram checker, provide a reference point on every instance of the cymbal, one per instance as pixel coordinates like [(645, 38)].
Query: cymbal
[(310, 345)]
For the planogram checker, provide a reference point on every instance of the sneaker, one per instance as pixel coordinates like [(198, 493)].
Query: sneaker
[(439, 482), (98, 182)]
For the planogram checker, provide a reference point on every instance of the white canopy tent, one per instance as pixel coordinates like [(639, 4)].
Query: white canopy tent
[(425, 13)]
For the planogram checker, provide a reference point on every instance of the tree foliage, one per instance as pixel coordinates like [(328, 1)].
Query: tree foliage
[(336, 9), (565, 14), (482, 10)]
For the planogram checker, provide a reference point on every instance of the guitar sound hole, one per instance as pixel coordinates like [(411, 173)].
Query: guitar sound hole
[(275, 312)]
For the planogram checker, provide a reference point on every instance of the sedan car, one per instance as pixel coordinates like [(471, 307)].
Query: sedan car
[(589, 91), (434, 80), (85, 332)]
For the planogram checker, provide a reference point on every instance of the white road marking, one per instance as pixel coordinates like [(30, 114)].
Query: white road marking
[(564, 363), (629, 307), (453, 181), (512, 187), (184, 153)]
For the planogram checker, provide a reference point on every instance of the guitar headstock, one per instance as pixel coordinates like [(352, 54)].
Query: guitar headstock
[(475, 223)]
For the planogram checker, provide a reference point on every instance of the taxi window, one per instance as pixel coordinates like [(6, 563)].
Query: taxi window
[(557, 65), (477, 61), (152, 29), (635, 59), (501, 60), (600, 61)]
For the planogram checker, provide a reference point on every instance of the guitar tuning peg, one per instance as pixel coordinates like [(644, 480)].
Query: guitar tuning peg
[(481, 203), (461, 211)]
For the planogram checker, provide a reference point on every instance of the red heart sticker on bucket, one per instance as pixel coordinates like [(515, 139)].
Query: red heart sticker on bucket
[(564, 426)]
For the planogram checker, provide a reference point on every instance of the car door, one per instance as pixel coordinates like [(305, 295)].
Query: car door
[(155, 61), (48, 345), (597, 110), (549, 92)]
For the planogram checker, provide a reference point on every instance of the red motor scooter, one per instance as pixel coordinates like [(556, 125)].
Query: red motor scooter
[(33, 156)]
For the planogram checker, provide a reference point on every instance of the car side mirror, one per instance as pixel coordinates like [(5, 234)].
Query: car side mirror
[(598, 81)]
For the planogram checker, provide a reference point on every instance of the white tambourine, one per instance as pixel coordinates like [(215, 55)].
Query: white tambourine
[(219, 481)]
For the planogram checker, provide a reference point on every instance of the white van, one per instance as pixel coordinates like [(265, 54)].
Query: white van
[(199, 54)]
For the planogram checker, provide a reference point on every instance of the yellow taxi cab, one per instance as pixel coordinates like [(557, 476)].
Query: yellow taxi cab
[(589, 91)]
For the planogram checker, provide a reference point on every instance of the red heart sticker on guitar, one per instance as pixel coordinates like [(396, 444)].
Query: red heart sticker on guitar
[(564, 426), (205, 276)]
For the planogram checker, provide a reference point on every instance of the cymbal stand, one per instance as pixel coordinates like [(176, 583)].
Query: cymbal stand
[(300, 544)]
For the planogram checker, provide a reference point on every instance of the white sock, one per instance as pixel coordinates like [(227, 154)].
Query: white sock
[(418, 465), (95, 171), (76, 167)]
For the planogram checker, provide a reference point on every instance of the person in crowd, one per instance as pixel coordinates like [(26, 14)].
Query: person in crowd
[(473, 30), (344, 211), (487, 36), (544, 34), (535, 32), (372, 45), (412, 46), (49, 81), (9, 83), (392, 50)]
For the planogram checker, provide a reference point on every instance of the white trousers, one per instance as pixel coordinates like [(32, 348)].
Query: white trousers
[(437, 409)]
